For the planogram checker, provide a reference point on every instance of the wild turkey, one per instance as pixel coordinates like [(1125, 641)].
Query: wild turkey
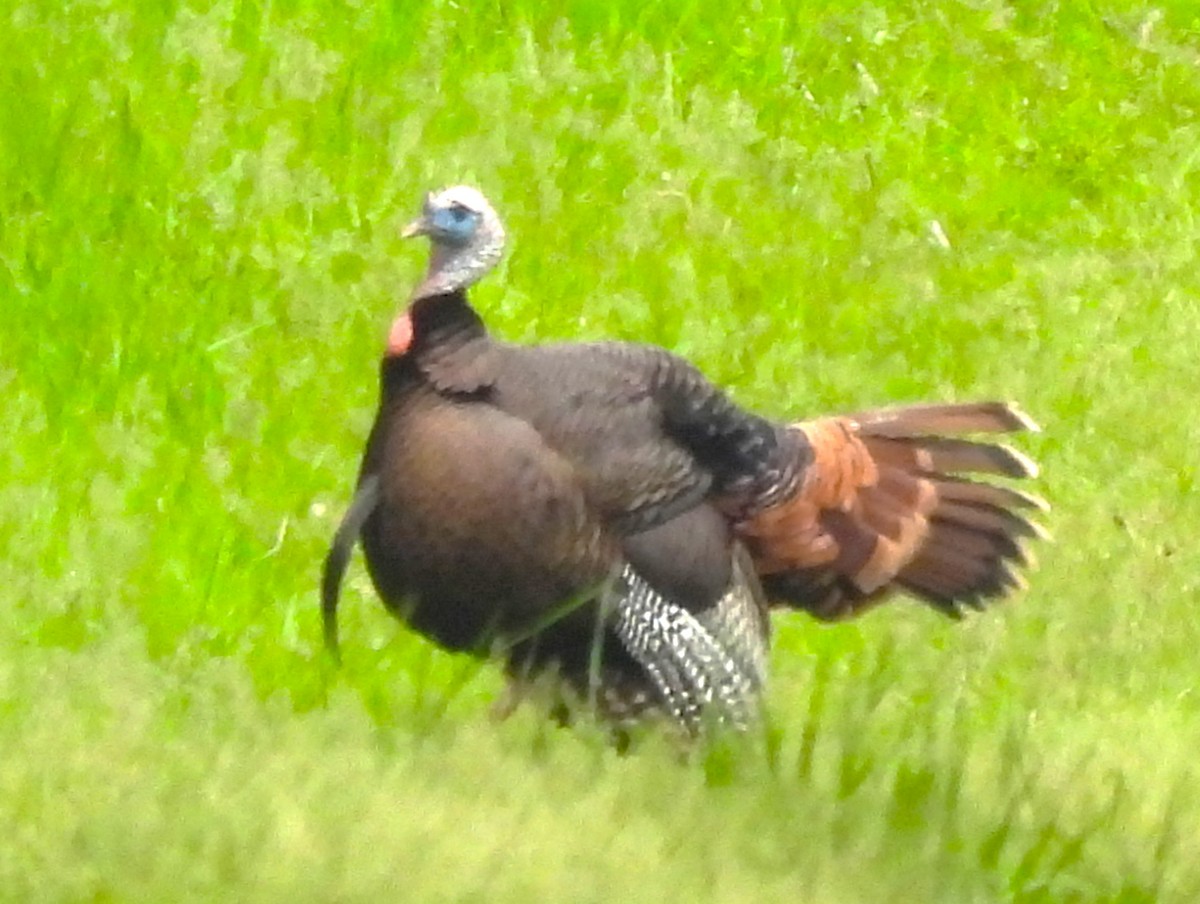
[(601, 514)]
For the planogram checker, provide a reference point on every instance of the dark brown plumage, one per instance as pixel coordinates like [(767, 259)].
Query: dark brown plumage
[(602, 513)]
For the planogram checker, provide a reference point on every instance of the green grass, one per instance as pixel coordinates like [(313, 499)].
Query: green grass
[(198, 264)]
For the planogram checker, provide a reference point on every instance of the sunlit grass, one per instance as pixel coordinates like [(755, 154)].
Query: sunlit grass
[(198, 264)]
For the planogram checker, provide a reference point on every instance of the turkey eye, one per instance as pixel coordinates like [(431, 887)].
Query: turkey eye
[(458, 213)]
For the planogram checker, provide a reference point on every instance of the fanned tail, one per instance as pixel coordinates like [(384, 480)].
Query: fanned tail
[(896, 500)]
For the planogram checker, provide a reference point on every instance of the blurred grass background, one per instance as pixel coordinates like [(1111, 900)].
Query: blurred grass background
[(826, 209)]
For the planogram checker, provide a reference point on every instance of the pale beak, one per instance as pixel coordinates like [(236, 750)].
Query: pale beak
[(416, 227)]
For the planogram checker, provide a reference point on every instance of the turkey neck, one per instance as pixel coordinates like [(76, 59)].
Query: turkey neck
[(447, 343), (443, 321)]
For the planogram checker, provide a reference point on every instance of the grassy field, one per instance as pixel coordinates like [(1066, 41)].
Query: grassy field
[(199, 259)]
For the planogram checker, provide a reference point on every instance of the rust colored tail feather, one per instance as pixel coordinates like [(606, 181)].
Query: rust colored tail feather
[(893, 502)]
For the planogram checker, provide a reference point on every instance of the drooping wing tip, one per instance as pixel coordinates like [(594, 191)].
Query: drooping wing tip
[(338, 558), (331, 584)]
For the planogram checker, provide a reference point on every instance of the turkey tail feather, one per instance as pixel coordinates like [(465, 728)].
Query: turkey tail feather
[(973, 417), (896, 496), (934, 455)]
